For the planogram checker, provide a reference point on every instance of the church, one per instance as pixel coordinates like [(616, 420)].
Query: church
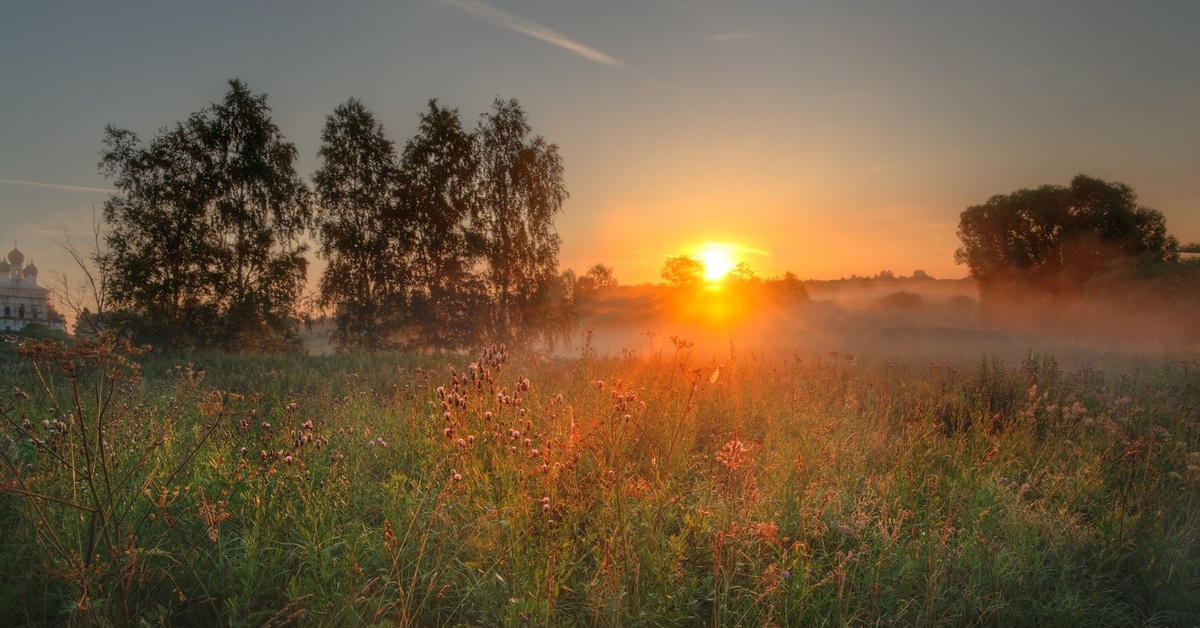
[(22, 300)]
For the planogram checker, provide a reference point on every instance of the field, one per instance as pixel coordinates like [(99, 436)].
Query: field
[(659, 485)]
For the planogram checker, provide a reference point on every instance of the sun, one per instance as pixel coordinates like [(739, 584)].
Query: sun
[(718, 261)]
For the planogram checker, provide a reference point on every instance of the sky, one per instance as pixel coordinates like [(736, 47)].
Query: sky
[(823, 138)]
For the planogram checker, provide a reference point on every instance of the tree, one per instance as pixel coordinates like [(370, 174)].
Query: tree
[(438, 174), (361, 232), (597, 277), (1054, 239), (206, 225), (742, 275), (683, 271), (519, 191), (788, 287)]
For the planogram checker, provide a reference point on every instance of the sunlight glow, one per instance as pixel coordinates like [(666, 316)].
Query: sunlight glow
[(718, 261)]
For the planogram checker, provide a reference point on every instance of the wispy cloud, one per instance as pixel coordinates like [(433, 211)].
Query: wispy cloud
[(533, 29), (724, 38), (58, 186)]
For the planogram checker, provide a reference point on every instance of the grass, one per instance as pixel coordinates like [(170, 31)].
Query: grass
[(652, 489)]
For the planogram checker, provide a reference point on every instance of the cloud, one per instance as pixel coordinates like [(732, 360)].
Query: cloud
[(533, 29), (724, 38), (58, 186)]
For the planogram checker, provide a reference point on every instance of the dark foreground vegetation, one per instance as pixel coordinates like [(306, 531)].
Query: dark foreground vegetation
[(655, 489)]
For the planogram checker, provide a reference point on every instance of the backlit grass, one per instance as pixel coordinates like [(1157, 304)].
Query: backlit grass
[(652, 489)]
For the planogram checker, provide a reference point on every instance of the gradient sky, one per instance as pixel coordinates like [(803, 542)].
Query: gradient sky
[(826, 138)]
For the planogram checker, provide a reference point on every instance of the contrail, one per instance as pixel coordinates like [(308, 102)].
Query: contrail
[(57, 186), (533, 29)]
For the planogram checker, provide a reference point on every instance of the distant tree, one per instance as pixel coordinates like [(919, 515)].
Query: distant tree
[(1053, 239), (788, 287), (520, 190), (903, 300), (438, 174), (555, 311), (920, 274), (742, 274), (205, 228), (598, 276), (361, 232), (886, 275), (683, 271)]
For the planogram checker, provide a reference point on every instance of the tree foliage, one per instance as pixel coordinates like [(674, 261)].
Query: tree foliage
[(519, 191), (596, 277), (438, 176), (447, 245), (1052, 240), (362, 234), (683, 271), (205, 228)]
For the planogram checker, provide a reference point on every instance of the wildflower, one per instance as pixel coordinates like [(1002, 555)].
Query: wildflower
[(515, 434), (446, 416), (288, 459), (546, 508), (292, 406), (528, 442), (462, 443), (471, 438), (535, 453), (243, 452), (448, 431), (457, 476), (266, 426)]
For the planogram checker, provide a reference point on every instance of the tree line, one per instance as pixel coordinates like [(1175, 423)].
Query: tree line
[(446, 243)]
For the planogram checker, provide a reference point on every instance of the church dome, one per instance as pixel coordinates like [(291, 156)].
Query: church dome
[(16, 257), (31, 270)]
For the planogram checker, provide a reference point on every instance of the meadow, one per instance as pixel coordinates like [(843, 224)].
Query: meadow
[(654, 486)]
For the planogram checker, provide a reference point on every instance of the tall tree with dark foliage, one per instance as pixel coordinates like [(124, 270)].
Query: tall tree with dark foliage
[(520, 190), (206, 225), (362, 231)]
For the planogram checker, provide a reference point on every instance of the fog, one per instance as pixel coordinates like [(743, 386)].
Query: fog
[(894, 323)]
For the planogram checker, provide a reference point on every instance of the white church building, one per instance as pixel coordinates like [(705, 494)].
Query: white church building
[(22, 300)]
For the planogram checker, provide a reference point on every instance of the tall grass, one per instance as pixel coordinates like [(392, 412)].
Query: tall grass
[(652, 489)]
